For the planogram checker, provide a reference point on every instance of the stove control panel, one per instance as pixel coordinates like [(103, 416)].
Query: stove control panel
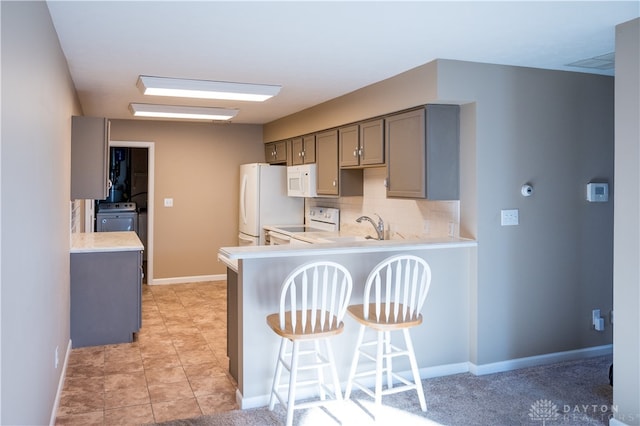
[(324, 214), (117, 207)]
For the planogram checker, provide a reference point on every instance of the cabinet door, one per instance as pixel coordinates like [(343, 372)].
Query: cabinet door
[(309, 144), (327, 161), (405, 137), (269, 152), (89, 158), (372, 143), (297, 152), (281, 152), (349, 146)]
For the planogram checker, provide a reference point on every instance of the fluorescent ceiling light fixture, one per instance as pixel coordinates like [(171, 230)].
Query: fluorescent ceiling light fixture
[(184, 112), (185, 88)]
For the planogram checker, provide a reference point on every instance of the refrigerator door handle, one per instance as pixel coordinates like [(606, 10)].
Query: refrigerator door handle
[(243, 201)]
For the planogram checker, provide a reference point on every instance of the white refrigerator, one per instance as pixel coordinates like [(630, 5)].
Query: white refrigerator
[(264, 201)]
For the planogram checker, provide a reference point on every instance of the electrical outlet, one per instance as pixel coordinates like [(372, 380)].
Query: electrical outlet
[(168, 202), (597, 321), (509, 217), (425, 227), (452, 229), (56, 358)]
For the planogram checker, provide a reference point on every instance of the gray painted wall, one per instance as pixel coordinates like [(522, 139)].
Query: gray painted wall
[(626, 281), (38, 100), (539, 281)]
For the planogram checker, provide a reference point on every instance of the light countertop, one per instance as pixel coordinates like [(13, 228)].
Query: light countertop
[(230, 254), (105, 241)]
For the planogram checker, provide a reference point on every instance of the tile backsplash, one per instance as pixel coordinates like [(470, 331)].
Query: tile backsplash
[(403, 218)]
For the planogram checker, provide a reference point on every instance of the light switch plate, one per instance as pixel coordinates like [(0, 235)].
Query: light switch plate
[(509, 217), (168, 202)]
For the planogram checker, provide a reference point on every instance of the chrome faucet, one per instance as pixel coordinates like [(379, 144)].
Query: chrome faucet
[(379, 227)]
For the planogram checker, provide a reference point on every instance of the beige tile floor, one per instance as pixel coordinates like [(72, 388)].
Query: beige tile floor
[(176, 368)]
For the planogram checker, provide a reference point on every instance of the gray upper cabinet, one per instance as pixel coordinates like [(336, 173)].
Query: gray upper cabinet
[(327, 161), (89, 158), (303, 150), (372, 143), (362, 145), (331, 180), (423, 153), (349, 146), (276, 152)]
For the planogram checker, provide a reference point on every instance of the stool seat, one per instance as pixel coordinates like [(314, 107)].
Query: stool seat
[(320, 330), (382, 323)]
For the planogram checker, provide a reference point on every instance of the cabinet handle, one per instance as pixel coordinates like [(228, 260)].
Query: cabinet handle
[(302, 154), (335, 182), (386, 182), (360, 152), (355, 152)]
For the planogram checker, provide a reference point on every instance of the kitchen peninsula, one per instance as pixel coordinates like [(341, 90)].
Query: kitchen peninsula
[(256, 273), (106, 287)]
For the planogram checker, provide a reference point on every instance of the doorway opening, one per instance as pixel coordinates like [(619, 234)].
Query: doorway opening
[(139, 158)]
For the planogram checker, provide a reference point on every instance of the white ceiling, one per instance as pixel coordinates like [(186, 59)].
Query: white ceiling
[(315, 50)]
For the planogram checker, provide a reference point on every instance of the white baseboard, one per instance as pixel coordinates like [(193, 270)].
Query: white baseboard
[(63, 374), (185, 280), (425, 373), (533, 361), (463, 367)]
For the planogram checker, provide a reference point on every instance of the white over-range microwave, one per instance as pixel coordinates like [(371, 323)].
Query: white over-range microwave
[(301, 180)]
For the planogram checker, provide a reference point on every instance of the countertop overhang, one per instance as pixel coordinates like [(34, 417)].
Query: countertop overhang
[(89, 242), (230, 255)]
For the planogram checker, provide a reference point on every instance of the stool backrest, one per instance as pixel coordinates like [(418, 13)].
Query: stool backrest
[(397, 288), (315, 295)]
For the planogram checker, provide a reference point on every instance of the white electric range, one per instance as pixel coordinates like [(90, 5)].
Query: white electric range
[(320, 221)]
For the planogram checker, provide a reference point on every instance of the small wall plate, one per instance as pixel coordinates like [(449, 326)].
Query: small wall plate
[(597, 192)]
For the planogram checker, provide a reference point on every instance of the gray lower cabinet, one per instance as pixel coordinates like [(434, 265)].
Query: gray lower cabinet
[(106, 297), (423, 153), (233, 341)]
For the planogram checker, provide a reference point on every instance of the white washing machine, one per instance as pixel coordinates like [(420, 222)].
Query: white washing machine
[(117, 217)]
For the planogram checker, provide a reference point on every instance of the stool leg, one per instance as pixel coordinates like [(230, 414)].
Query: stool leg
[(278, 373), (319, 370), (354, 363), (334, 372), (379, 361), (414, 369), (388, 360), (292, 383)]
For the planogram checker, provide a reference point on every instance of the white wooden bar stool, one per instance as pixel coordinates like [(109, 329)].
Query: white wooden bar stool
[(313, 302), (394, 294)]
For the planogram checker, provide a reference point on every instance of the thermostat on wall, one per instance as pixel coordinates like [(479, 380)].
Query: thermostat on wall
[(597, 192)]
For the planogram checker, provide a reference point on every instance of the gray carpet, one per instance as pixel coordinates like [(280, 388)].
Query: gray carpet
[(567, 393)]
